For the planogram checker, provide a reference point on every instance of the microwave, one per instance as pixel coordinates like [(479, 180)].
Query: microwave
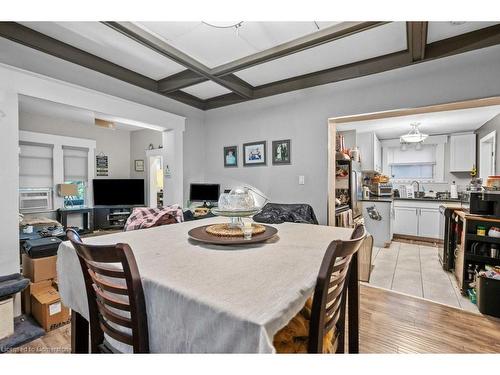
[(380, 189), (486, 203)]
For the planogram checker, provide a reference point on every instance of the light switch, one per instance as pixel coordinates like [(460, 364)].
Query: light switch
[(302, 180)]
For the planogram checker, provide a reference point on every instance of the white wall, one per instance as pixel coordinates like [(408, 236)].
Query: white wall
[(113, 143), (493, 124), (14, 54), (302, 117)]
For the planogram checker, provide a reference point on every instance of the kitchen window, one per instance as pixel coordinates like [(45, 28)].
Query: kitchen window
[(419, 172)]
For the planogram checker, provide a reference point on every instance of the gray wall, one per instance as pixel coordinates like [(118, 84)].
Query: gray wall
[(493, 124), (139, 143), (113, 143), (302, 117)]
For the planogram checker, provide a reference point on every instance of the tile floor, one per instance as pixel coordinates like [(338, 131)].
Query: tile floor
[(416, 270)]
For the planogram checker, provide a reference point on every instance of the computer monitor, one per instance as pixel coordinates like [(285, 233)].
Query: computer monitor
[(206, 193)]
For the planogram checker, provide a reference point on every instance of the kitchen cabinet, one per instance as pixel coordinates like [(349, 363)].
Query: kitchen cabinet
[(405, 221), (462, 152), (370, 150), (419, 219), (428, 222)]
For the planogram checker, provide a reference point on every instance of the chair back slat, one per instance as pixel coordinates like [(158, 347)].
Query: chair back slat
[(108, 286), (113, 317), (106, 271), (328, 307), (106, 299), (115, 295), (114, 333)]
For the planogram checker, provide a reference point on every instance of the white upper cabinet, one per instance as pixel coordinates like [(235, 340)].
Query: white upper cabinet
[(370, 151), (462, 152)]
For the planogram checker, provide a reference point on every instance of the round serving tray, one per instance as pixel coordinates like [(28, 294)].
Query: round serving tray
[(200, 234)]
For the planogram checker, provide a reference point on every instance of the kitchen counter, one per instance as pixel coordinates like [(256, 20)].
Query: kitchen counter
[(378, 199), (431, 200)]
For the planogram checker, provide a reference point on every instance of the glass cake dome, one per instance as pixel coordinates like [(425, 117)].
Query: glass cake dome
[(238, 199)]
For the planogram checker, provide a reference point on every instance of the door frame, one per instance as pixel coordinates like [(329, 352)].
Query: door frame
[(332, 132), (491, 135)]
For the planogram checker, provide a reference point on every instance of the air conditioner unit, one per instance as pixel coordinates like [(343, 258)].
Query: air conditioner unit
[(35, 199)]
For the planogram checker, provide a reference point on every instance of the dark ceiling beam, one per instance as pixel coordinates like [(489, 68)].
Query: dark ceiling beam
[(322, 36), (417, 39), (341, 73), (180, 80), (186, 98), (43, 43), (158, 45), (482, 38), (328, 34)]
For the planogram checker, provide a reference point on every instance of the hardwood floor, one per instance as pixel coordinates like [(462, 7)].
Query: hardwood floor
[(389, 323)]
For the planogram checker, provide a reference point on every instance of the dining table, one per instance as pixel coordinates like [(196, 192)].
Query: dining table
[(203, 298)]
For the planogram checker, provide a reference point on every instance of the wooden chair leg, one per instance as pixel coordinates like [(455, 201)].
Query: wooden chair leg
[(79, 334), (353, 306)]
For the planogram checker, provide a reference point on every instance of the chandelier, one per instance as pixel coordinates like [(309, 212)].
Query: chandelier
[(414, 135)]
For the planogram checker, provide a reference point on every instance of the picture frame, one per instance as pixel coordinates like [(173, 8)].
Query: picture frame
[(281, 152), (139, 165), (254, 154), (230, 156)]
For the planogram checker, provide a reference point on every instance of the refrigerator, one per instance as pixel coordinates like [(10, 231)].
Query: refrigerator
[(351, 185)]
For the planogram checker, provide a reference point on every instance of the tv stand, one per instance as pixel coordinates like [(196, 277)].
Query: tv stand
[(111, 217)]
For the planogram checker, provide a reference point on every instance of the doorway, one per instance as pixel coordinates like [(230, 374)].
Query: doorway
[(155, 180), (487, 155)]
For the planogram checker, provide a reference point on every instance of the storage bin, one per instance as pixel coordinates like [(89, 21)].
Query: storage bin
[(488, 292), (6, 317)]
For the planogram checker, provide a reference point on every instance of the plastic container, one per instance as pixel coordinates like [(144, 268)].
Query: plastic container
[(488, 291)]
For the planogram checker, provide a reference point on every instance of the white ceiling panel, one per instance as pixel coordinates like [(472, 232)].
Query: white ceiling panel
[(443, 30), (214, 46), (206, 90), (102, 41), (445, 122), (375, 42)]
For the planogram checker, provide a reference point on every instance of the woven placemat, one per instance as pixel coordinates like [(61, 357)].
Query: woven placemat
[(224, 230)]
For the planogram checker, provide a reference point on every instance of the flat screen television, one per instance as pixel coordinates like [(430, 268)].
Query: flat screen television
[(206, 193), (118, 192)]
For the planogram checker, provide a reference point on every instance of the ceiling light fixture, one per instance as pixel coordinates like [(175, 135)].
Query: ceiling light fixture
[(224, 24), (414, 135)]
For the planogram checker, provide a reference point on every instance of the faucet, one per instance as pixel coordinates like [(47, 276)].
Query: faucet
[(418, 186)]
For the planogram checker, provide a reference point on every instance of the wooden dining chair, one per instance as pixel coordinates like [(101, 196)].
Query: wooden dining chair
[(328, 312), (115, 295)]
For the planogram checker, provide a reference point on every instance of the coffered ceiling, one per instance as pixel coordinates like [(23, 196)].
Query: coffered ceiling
[(208, 65)]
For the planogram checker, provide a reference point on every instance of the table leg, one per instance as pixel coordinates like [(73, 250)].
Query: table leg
[(353, 306), (79, 333)]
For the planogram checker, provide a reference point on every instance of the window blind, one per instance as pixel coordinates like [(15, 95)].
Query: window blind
[(35, 166), (75, 164)]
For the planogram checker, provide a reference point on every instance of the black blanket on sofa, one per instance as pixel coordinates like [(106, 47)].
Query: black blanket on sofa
[(277, 213)]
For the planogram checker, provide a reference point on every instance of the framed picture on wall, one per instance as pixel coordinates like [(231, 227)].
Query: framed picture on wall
[(139, 165), (231, 156), (281, 152), (254, 153)]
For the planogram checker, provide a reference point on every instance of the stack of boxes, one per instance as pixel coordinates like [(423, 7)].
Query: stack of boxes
[(41, 298)]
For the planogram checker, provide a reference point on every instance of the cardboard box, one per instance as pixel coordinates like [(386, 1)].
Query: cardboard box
[(30, 289), (48, 310), (39, 269), (6, 317)]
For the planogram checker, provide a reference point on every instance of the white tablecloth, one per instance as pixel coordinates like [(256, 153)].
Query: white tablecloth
[(203, 298)]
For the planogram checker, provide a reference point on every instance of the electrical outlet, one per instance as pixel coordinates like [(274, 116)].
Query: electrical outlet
[(302, 180)]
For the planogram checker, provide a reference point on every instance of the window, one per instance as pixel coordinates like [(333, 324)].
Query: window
[(75, 172), (35, 166), (424, 172)]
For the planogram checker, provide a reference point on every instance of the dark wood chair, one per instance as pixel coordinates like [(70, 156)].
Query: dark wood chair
[(115, 295), (337, 271)]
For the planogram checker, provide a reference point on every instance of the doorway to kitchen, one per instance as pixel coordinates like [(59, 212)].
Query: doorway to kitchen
[(414, 162)]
